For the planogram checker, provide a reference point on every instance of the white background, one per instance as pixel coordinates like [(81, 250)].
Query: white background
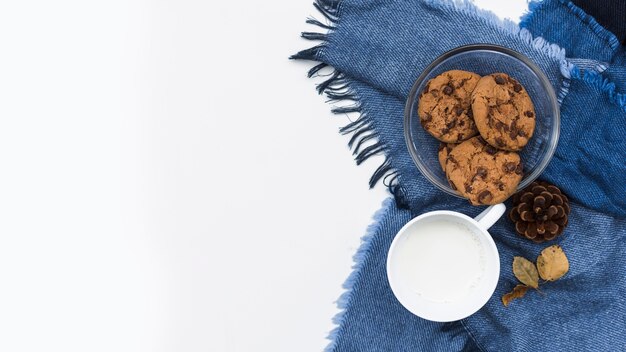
[(169, 180)]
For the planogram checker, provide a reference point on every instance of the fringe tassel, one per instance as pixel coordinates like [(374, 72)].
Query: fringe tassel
[(357, 136), (329, 9), (368, 152), (391, 181), (336, 78), (346, 109), (313, 36), (315, 22), (308, 54), (364, 140), (382, 170), (353, 126), (333, 97), (315, 69)]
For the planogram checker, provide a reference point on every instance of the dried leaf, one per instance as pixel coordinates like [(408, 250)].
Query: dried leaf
[(518, 292), (552, 263), (525, 271)]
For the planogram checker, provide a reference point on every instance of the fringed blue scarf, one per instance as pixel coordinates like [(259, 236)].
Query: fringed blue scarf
[(376, 50)]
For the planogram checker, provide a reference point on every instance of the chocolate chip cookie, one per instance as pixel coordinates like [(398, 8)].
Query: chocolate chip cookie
[(482, 173), (444, 106), (444, 151), (503, 112)]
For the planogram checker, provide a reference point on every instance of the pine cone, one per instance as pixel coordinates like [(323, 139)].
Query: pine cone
[(540, 211)]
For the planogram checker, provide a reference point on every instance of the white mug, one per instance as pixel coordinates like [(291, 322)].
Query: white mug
[(445, 305)]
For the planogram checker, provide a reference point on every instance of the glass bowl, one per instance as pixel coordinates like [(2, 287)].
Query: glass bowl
[(485, 59)]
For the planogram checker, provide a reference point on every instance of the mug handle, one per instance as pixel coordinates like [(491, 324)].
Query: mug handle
[(489, 216)]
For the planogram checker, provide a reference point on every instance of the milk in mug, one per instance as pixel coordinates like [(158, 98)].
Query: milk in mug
[(441, 261)]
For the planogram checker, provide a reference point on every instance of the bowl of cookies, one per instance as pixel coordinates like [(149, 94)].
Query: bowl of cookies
[(481, 122)]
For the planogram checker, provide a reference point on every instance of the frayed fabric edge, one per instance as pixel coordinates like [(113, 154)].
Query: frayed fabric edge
[(364, 141), (602, 84)]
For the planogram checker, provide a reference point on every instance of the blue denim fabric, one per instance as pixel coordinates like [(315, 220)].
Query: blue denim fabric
[(378, 49)]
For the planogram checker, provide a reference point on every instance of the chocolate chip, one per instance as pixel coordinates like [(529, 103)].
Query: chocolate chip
[(451, 124), (502, 126), (468, 188), (491, 150), (500, 80), (529, 113), (510, 167), (499, 142), (500, 186), (513, 134), (517, 88), (485, 196), (521, 133), (459, 111), (447, 90), (462, 123), (470, 113), (427, 118), (519, 169), (445, 131), (481, 172)]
